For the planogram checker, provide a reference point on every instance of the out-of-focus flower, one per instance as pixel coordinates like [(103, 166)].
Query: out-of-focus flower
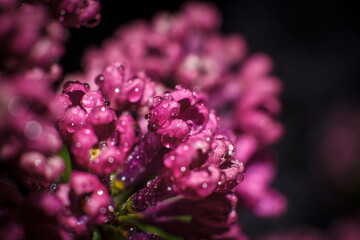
[(255, 193), (85, 202)]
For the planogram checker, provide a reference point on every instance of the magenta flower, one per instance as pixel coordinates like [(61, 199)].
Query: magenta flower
[(121, 152), (86, 202)]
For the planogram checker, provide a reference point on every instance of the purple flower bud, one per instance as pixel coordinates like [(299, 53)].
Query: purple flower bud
[(122, 91), (177, 115), (86, 184), (83, 141), (38, 166), (207, 217), (106, 160), (126, 133), (261, 125), (142, 162), (60, 105), (255, 192), (155, 191), (86, 202), (198, 184), (189, 155), (199, 72), (93, 99), (102, 120), (202, 16), (76, 91), (76, 13), (72, 120)]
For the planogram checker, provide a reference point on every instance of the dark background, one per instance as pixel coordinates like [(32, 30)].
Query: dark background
[(315, 47)]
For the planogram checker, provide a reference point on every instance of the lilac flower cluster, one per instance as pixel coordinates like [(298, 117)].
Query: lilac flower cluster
[(185, 48), (150, 150), (32, 204)]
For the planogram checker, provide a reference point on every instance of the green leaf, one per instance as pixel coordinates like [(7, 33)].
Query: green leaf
[(185, 218), (96, 234), (64, 154)]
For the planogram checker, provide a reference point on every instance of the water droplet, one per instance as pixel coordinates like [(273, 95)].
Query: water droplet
[(169, 141), (169, 188), (120, 66), (107, 102), (174, 112), (117, 90), (165, 105), (190, 123), (183, 169), (186, 147), (157, 101), (100, 192), (147, 116), (153, 127), (172, 157), (111, 160), (123, 178), (134, 95), (204, 185), (111, 209), (99, 79)]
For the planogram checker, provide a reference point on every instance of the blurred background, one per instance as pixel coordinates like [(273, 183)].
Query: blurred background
[(315, 46)]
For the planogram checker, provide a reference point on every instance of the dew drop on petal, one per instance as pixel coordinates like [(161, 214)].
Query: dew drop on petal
[(174, 112), (111, 209), (134, 95), (169, 141), (157, 100)]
